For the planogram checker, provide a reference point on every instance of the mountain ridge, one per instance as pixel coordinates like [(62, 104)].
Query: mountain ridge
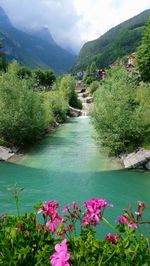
[(116, 42), (32, 51)]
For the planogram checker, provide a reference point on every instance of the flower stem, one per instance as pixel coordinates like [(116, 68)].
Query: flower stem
[(110, 225)]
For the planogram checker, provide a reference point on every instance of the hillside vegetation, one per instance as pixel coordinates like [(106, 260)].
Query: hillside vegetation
[(116, 43)]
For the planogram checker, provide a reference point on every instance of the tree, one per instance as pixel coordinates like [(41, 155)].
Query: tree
[(44, 78), (90, 74), (143, 54), (118, 114), (22, 116), (67, 85), (24, 72)]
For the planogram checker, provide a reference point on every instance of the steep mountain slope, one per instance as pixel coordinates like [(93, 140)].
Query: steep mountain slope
[(117, 42), (42, 33), (32, 51)]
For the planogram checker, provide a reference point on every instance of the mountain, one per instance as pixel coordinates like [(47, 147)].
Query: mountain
[(35, 50), (43, 34), (116, 43)]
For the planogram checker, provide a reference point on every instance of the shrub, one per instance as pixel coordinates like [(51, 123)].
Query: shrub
[(22, 116), (118, 114)]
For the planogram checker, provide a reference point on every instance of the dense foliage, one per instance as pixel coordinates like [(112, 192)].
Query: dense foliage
[(27, 108), (67, 85), (143, 55), (25, 241), (42, 79), (116, 43), (121, 113), (90, 74)]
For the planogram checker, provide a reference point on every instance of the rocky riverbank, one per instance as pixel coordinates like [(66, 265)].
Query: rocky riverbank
[(7, 153), (137, 159)]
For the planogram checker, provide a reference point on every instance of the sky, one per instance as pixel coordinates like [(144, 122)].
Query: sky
[(72, 22)]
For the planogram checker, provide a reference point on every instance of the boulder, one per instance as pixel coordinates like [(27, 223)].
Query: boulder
[(137, 159), (147, 165), (89, 99), (5, 153), (73, 112), (84, 95)]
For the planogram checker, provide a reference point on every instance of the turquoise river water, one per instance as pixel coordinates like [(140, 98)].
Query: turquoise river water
[(68, 166)]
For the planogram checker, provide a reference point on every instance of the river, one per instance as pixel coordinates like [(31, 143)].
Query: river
[(68, 166)]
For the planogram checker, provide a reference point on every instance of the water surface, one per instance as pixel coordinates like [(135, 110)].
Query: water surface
[(67, 165)]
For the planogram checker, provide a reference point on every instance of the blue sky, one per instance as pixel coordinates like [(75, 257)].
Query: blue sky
[(72, 22)]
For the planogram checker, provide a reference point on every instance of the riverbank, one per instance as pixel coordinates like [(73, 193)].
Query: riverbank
[(138, 159), (6, 153)]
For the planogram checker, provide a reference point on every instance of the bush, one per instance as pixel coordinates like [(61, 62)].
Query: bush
[(67, 85), (26, 113), (44, 78), (118, 114), (22, 116), (94, 86), (24, 72)]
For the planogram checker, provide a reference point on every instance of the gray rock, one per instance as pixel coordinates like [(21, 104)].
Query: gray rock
[(89, 99), (147, 165), (73, 112), (5, 153), (137, 159)]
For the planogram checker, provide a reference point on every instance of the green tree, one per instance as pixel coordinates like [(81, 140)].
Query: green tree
[(22, 116), (67, 85), (90, 74), (143, 54), (44, 78), (118, 114), (24, 72), (94, 86)]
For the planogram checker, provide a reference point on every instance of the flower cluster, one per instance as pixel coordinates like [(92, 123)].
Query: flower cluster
[(71, 215), (132, 220), (113, 238), (94, 211), (61, 256), (50, 215)]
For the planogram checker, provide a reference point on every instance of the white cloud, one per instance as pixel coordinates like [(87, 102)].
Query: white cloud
[(72, 22), (98, 16)]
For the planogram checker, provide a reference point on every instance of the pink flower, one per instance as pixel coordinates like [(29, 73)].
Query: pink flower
[(113, 238), (61, 256), (50, 212), (94, 209), (141, 206), (74, 206), (52, 225), (66, 208), (138, 214), (132, 225), (123, 220), (48, 208)]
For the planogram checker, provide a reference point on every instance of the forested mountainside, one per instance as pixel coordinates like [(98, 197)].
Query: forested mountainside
[(116, 43), (32, 50)]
